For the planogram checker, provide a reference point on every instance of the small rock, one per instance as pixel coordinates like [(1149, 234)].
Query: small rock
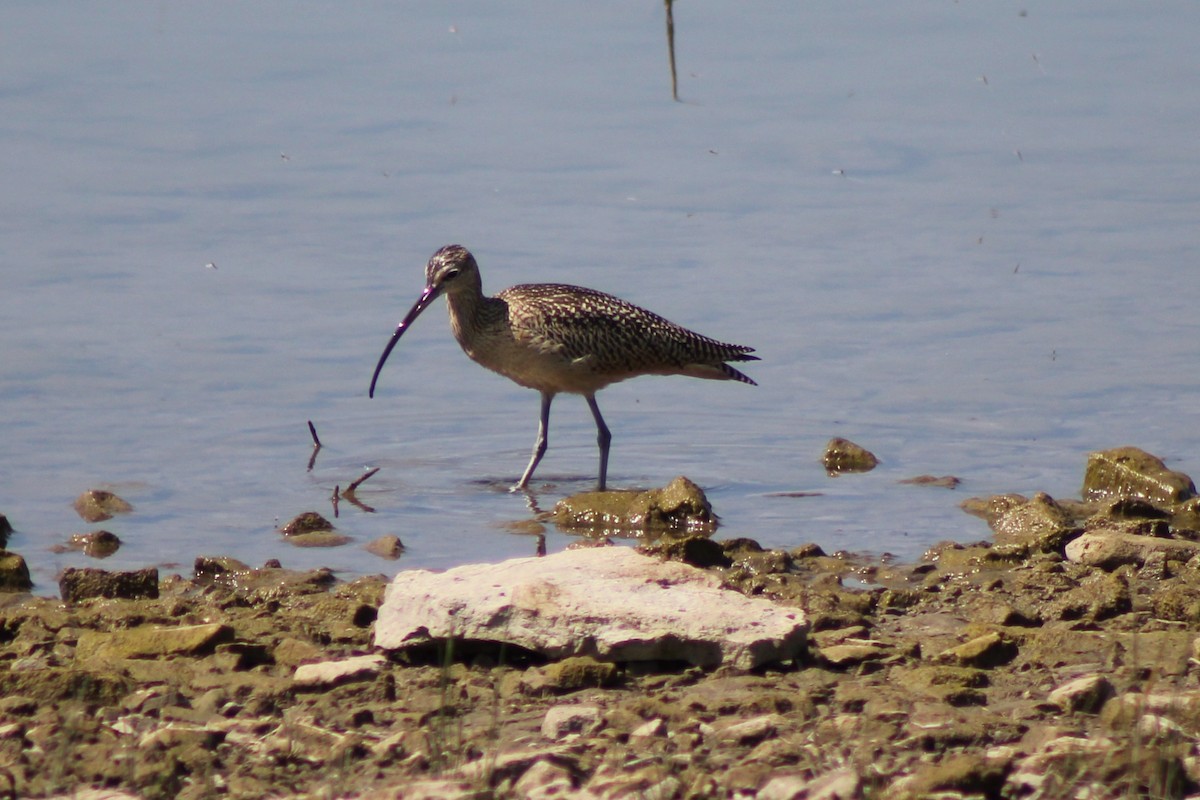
[(430, 789), (699, 551), (14, 573), (308, 522), (97, 505), (90, 793), (211, 702), (1061, 755), (1158, 728), (1131, 472), (511, 764), (853, 651), (219, 567), (841, 784), (318, 539), (646, 783), (752, 731), (292, 652), (563, 720), (1098, 596), (176, 735), (1135, 508), (649, 730), (1041, 525), (1122, 712), (544, 780), (993, 507), (810, 550), (986, 651), (785, 787), (580, 672), (1086, 694), (1155, 567), (944, 482), (332, 673), (304, 739), (766, 562), (968, 774), (150, 641), (80, 584), (679, 506), (16, 705), (1109, 549), (842, 455), (97, 544), (389, 547)]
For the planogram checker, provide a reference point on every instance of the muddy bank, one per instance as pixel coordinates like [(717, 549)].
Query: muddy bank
[(1027, 666)]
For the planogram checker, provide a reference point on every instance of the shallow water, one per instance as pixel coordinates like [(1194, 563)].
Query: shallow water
[(963, 237)]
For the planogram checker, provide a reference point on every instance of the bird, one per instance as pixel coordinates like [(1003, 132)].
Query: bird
[(557, 338)]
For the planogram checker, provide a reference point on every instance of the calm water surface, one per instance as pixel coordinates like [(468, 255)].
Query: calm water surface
[(963, 236)]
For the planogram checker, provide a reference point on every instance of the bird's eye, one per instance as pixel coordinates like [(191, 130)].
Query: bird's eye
[(450, 274)]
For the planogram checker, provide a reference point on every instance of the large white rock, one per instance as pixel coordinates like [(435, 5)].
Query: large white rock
[(610, 602)]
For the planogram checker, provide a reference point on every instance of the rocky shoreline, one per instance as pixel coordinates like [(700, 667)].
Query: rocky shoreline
[(1058, 660)]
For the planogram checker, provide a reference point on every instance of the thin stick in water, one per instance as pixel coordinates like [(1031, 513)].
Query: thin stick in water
[(359, 482)]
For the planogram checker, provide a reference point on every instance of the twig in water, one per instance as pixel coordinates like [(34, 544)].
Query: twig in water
[(335, 501), (671, 49), (312, 430), (351, 498), (350, 489)]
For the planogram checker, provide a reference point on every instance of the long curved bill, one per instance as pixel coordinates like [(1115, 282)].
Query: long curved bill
[(428, 296)]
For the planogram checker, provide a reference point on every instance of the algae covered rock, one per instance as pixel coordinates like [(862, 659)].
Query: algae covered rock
[(1131, 472), (1039, 525), (97, 544), (150, 641), (307, 522), (389, 547), (679, 506), (310, 529), (842, 455), (97, 505), (81, 584), (14, 573)]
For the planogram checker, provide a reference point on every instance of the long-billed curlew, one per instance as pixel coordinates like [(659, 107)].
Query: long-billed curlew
[(557, 338)]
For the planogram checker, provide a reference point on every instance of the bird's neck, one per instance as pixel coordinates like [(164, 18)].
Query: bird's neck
[(470, 312)]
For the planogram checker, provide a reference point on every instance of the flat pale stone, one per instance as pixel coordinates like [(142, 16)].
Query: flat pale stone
[(611, 603), (328, 673), (649, 730), (150, 641), (563, 720), (854, 651), (1086, 693), (1109, 549), (986, 651), (842, 784), (754, 730)]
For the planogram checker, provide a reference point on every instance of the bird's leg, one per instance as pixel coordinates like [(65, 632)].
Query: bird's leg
[(603, 438), (539, 447)]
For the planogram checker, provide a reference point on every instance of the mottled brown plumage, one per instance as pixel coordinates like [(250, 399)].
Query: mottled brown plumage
[(557, 338)]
